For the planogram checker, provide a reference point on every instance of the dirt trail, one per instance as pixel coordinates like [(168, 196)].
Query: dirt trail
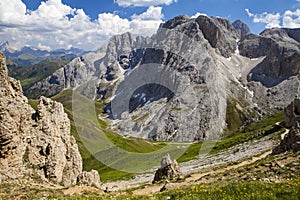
[(249, 152), (196, 178), (283, 134)]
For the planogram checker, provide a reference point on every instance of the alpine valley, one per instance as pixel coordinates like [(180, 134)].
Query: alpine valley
[(221, 101)]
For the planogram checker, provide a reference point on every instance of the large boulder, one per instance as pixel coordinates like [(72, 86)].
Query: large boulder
[(89, 178), (168, 170)]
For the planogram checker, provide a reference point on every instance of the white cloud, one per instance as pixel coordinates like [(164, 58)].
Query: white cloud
[(11, 10), (271, 20), (57, 25), (198, 14), (43, 47), (143, 3), (153, 13), (290, 19)]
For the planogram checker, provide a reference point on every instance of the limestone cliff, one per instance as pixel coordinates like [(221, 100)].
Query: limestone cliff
[(35, 143)]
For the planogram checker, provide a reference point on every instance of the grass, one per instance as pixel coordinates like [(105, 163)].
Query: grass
[(234, 117), (250, 132), (237, 190), (228, 190), (133, 144)]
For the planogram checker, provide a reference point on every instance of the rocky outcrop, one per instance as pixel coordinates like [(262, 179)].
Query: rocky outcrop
[(292, 114), (220, 34), (35, 143), (168, 170), (241, 28), (291, 141)]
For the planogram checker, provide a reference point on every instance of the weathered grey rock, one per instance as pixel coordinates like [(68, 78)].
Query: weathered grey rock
[(168, 170), (220, 34), (293, 33), (241, 28), (292, 113), (165, 161), (89, 178), (282, 56), (176, 21), (35, 143), (291, 141), (106, 64)]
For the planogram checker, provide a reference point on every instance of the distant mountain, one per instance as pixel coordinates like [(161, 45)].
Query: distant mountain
[(28, 56), (72, 50), (6, 47)]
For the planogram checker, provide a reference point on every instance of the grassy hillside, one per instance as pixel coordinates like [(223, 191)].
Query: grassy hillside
[(252, 131), (98, 130)]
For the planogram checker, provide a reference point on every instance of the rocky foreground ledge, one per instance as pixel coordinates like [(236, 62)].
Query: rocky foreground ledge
[(37, 143)]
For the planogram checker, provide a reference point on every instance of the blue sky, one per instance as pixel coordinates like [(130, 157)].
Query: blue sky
[(87, 24)]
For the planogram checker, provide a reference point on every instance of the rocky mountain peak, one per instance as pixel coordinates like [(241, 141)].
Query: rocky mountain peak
[(6, 47), (241, 28), (178, 20), (220, 33)]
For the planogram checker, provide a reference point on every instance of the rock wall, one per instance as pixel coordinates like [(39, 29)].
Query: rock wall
[(35, 143)]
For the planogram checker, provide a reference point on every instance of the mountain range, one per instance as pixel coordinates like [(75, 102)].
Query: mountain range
[(179, 84), (27, 56)]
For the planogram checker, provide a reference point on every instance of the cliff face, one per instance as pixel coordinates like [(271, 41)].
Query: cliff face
[(35, 142), (282, 56)]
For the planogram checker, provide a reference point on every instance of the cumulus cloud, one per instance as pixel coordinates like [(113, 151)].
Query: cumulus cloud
[(153, 13), (143, 3), (290, 19), (57, 25), (271, 20)]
